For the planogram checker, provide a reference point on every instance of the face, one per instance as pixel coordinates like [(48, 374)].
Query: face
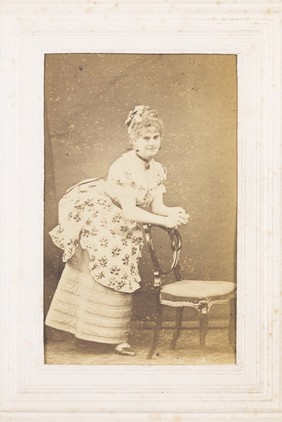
[(148, 142)]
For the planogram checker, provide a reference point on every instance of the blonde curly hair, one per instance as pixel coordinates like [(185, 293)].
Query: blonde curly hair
[(140, 118)]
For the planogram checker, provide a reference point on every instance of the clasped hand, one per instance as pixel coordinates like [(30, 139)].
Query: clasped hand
[(176, 217)]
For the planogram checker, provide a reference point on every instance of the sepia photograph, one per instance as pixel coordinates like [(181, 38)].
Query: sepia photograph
[(141, 229), (140, 209)]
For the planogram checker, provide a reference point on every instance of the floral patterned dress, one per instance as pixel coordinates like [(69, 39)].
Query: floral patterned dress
[(90, 216)]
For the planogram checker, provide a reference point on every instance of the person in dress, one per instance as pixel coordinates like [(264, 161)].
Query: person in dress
[(100, 233)]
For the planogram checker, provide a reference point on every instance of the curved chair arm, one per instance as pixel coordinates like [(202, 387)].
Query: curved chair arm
[(176, 244)]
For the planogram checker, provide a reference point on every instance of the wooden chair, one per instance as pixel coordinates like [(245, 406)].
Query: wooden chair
[(197, 294)]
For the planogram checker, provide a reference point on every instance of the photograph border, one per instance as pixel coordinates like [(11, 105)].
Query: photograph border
[(252, 387)]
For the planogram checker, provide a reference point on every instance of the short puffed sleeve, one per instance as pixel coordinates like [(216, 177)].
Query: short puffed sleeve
[(120, 181), (161, 175)]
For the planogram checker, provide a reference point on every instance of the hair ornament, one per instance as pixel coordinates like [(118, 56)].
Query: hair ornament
[(135, 115)]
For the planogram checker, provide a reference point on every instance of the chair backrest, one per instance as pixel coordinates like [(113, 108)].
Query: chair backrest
[(176, 244)]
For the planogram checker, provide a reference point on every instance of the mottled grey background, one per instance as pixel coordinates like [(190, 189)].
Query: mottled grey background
[(87, 99)]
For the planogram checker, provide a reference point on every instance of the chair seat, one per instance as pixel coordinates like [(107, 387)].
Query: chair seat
[(196, 290)]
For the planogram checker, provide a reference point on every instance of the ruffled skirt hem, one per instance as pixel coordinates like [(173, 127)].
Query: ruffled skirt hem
[(89, 310)]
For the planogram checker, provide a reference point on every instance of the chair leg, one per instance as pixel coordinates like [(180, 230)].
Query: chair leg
[(204, 320), (232, 324), (178, 324), (157, 328)]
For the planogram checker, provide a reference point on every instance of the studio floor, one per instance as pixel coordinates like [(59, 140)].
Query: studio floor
[(64, 349)]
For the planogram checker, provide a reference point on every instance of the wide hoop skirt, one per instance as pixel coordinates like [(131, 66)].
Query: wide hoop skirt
[(84, 307)]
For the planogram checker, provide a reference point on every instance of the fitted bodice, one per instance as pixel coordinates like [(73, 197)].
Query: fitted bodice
[(124, 181)]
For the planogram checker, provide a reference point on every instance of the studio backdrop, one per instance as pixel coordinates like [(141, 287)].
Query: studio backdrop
[(87, 100)]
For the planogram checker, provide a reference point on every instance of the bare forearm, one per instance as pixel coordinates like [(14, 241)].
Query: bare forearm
[(172, 219), (161, 210), (143, 216)]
